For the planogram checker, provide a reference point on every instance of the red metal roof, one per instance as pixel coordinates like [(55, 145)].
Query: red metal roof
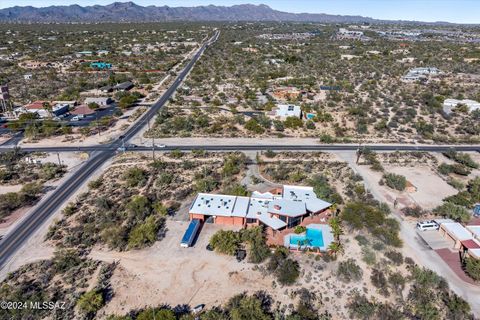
[(470, 244)]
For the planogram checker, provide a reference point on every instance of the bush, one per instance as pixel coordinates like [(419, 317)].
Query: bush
[(135, 177), (394, 256), (258, 250), (252, 125), (415, 211), (324, 191), (361, 308), (300, 229), (349, 270), (156, 314), (395, 181), (225, 241), (286, 270), (472, 267), (453, 211), (90, 302), (145, 234), (293, 122)]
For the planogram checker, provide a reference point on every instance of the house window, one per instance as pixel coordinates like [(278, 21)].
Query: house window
[(290, 108), (295, 221), (250, 220), (283, 218)]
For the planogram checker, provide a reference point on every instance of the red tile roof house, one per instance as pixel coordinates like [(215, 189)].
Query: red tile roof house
[(290, 208), (82, 110)]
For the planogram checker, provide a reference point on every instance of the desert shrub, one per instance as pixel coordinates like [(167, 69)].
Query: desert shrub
[(156, 313), (90, 302), (258, 250), (368, 256), (95, 184), (285, 269), (453, 211), (252, 125), (135, 177), (461, 158), (293, 123), (324, 191), (349, 270), (472, 267), (145, 234), (225, 241), (394, 256), (415, 211), (395, 181), (360, 215), (379, 280), (360, 307)]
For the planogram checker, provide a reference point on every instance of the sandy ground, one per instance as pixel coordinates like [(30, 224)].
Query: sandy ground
[(35, 248), (422, 177), (167, 273)]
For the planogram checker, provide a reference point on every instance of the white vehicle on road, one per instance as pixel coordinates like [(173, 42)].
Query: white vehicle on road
[(427, 225)]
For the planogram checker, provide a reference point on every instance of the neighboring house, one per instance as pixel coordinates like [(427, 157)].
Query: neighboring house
[(39, 108), (84, 54), (276, 211), (101, 65), (102, 52), (106, 89), (124, 86), (101, 101), (83, 110), (283, 111), (450, 104), (417, 74), (286, 93), (455, 232), (28, 76)]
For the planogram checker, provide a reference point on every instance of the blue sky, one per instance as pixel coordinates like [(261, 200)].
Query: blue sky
[(462, 11)]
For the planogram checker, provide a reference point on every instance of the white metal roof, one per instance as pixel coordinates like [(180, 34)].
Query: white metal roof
[(474, 252), (288, 110), (457, 231), (214, 205), (286, 207), (475, 230), (258, 209), (294, 202)]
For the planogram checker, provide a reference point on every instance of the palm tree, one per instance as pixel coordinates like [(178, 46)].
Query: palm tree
[(335, 248), (336, 225)]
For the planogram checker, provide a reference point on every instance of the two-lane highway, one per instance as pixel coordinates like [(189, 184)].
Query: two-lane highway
[(100, 154)]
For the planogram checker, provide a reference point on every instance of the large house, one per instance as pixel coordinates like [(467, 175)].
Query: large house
[(283, 208), (450, 104), (283, 111), (421, 74)]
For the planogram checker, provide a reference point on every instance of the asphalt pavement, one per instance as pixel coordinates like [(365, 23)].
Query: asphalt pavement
[(18, 236)]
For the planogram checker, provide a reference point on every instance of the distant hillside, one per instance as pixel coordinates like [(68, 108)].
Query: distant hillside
[(131, 12)]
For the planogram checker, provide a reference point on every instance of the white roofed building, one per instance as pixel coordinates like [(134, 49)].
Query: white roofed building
[(276, 211), (283, 111)]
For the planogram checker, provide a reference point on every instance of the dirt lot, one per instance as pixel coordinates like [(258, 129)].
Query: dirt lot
[(167, 273)]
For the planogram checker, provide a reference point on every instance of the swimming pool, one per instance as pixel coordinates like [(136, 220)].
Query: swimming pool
[(311, 238)]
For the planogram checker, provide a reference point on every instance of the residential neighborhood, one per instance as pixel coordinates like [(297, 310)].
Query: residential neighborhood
[(314, 160)]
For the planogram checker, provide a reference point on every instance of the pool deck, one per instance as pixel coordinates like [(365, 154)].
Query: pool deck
[(276, 238), (326, 234)]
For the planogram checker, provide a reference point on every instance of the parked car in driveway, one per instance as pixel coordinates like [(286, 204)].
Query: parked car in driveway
[(427, 225)]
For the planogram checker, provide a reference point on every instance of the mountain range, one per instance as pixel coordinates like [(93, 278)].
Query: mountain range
[(131, 12)]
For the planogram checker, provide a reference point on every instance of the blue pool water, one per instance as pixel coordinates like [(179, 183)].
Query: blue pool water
[(311, 238)]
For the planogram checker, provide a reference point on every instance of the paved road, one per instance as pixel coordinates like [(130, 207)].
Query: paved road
[(15, 239), (259, 147)]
